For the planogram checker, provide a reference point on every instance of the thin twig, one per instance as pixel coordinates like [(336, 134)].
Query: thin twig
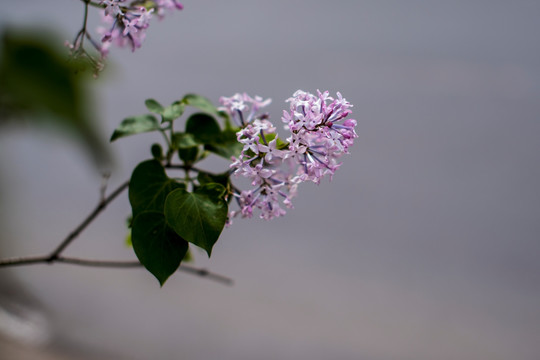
[(98, 263), (30, 260), (98, 209), (26, 260), (205, 273), (85, 21)]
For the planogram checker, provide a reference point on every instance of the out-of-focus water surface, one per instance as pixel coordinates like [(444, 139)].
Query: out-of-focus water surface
[(424, 246)]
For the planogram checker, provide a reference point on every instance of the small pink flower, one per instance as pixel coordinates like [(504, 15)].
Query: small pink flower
[(271, 151)]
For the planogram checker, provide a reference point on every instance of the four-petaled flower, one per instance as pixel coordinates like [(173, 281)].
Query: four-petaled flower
[(271, 150)]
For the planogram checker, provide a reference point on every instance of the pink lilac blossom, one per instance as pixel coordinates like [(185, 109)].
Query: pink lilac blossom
[(126, 24), (319, 133)]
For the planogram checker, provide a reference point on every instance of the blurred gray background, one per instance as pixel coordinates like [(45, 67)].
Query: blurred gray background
[(424, 246)]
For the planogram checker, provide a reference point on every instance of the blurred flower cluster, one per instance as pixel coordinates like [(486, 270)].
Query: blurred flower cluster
[(124, 24), (127, 24), (319, 132)]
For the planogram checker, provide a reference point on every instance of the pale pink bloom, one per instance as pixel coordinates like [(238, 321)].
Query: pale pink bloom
[(320, 132)]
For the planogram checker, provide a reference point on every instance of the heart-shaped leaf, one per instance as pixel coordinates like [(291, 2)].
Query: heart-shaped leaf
[(203, 127), (206, 105), (149, 187), (198, 216), (156, 245)]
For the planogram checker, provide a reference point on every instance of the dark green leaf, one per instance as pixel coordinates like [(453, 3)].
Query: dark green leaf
[(203, 127), (205, 178), (187, 146), (206, 105), (135, 125), (173, 111), (214, 191), (198, 217), (206, 130), (188, 155), (154, 106), (225, 145), (156, 245), (149, 187)]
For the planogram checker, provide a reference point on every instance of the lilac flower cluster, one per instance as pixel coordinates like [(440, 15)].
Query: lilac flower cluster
[(319, 132), (127, 23)]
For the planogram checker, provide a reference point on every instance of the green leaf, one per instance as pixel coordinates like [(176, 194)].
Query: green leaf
[(154, 106), (184, 140), (206, 130), (156, 245), (201, 103), (173, 111), (198, 217), (135, 125), (206, 178), (206, 105), (149, 187), (214, 191), (188, 147), (188, 155), (169, 113), (203, 127), (225, 145), (280, 144)]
